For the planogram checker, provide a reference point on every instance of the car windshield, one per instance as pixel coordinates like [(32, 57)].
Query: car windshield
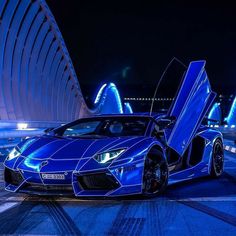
[(104, 127)]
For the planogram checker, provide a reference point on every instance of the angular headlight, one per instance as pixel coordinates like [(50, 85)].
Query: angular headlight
[(107, 156), (13, 154)]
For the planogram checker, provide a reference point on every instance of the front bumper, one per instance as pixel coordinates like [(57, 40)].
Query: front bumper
[(98, 181), (49, 190), (109, 182), (18, 181), (32, 183), (13, 177)]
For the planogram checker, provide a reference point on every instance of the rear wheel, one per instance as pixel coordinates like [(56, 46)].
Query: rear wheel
[(217, 161), (155, 176)]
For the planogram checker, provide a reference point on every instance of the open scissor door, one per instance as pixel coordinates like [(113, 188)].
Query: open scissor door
[(192, 102)]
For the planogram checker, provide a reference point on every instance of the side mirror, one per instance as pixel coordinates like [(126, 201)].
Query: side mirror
[(166, 122), (172, 120)]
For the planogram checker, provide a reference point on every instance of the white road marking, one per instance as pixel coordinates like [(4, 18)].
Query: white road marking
[(227, 148), (13, 198), (10, 202), (7, 205), (230, 148)]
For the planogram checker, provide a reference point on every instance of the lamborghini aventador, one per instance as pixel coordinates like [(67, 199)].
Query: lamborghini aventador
[(115, 155)]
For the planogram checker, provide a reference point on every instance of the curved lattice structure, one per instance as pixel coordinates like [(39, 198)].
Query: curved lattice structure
[(38, 81)]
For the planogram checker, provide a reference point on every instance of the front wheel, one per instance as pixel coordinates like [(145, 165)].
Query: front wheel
[(217, 160), (155, 178)]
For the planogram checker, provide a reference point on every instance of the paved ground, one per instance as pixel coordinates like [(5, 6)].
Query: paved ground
[(230, 141), (230, 136), (203, 207)]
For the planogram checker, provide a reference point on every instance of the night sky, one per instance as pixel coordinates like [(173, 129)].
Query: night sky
[(130, 43)]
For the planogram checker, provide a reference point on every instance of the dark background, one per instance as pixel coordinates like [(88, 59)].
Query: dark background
[(130, 42)]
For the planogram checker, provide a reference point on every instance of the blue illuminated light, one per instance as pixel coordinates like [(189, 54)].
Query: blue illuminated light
[(28, 163), (231, 118), (107, 156), (215, 113), (127, 108), (99, 94), (108, 100), (117, 95)]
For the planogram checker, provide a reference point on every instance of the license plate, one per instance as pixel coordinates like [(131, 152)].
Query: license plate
[(53, 176)]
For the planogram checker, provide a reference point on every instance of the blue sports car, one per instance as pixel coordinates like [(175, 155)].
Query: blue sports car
[(116, 155)]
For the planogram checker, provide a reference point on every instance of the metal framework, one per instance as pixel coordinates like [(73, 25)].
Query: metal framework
[(37, 78)]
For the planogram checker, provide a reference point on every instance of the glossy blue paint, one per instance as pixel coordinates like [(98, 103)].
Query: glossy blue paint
[(190, 107), (70, 161)]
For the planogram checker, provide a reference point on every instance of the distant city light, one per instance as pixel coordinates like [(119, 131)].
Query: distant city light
[(147, 99), (22, 126)]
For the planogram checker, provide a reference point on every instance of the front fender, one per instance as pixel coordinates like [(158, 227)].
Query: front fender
[(128, 169)]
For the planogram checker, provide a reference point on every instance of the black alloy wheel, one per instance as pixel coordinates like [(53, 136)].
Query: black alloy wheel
[(217, 162), (155, 177)]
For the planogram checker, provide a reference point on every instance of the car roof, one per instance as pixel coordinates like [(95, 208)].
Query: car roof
[(144, 114)]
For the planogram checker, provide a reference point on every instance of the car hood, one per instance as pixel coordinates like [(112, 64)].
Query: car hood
[(70, 149), (59, 154)]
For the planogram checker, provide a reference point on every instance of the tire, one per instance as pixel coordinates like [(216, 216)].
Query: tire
[(217, 160), (155, 176)]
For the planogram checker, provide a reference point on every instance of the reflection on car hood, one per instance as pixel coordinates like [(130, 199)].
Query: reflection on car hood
[(57, 149)]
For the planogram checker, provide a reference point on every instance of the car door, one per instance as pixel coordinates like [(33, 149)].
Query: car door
[(192, 102)]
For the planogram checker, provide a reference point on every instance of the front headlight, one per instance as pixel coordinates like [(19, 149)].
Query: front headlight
[(13, 154), (107, 156)]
